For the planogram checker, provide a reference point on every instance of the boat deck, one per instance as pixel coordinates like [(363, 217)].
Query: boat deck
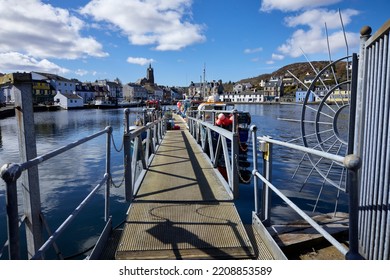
[(182, 211)]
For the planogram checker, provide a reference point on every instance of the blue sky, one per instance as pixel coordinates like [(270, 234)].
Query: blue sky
[(234, 39)]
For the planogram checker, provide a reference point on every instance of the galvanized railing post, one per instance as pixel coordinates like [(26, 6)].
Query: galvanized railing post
[(235, 156), (127, 158), (155, 140), (353, 163), (253, 130), (108, 172), (360, 92), (266, 148), (160, 129), (10, 173)]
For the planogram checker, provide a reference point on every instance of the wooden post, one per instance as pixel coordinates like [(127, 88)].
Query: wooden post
[(27, 148)]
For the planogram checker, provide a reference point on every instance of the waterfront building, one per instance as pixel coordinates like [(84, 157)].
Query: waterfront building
[(114, 89), (340, 94), (56, 82), (7, 88), (86, 91), (244, 97), (154, 92), (197, 90), (288, 80), (68, 100), (300, 96), (273, 89), (42, 92), (238, 88), (205, 89), (134, 92), (101, 92)]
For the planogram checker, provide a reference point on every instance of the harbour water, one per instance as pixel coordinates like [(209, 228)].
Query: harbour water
[(67, 179)]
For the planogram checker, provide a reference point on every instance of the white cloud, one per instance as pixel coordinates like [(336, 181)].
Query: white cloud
[(163, 23), (81, 72), (277, 56), (294, 5), (139, 60), (311, 35), (40, 30), (256, 50), (318, 17), (14, 62)]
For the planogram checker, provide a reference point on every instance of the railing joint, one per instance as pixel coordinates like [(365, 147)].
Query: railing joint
[(10, 172)]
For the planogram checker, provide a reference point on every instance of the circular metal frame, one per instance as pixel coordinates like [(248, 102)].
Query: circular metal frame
[(324, 124)]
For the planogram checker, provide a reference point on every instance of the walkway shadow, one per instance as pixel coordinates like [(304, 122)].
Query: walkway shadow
[(204, 186), (170, 233)]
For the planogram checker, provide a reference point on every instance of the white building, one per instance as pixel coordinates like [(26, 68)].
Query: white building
[(238, 88), (60, 84), (68, 100), (245, 97)]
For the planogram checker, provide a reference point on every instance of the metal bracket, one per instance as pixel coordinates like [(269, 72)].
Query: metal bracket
[(264, 148)]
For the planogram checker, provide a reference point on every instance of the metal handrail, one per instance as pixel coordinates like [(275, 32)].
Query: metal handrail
[(12, 171), (306, 217), (142, 150), (351, 162), (202, 131), (68, 220), (333, 157)]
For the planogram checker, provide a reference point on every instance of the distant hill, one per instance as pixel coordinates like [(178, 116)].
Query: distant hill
[(299, 69)]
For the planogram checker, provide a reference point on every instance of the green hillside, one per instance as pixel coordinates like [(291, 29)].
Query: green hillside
[(299, 69)]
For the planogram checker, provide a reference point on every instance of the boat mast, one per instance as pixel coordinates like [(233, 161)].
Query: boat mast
[(204, 80)]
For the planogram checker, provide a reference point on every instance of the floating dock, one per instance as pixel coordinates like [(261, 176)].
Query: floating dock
[(182, 210)]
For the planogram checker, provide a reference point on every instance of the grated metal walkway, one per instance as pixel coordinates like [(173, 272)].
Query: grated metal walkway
[(182, 211)]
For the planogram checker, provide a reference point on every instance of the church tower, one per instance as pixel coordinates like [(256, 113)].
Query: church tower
[(150, 75)]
